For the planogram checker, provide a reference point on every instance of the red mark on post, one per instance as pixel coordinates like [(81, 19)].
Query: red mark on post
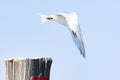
[(39, 78)]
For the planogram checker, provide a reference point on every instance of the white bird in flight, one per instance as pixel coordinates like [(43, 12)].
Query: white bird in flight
[(70, 20)]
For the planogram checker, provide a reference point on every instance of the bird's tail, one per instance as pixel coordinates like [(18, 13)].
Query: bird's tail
[(44, 18)]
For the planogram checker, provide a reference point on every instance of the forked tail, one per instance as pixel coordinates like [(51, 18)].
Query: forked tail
[(44, 18)]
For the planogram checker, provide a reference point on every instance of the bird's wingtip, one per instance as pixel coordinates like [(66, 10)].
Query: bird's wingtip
[(82, 52), (84, 56)]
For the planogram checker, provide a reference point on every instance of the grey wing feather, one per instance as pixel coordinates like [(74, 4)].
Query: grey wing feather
[(78, 40)]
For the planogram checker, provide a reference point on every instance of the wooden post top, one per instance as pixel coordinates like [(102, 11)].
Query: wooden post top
[(27, 68)]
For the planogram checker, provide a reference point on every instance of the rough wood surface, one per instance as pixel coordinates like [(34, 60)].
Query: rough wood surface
[(25, 69)]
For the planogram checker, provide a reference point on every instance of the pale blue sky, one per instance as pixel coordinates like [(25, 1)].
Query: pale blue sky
[(23, 35)]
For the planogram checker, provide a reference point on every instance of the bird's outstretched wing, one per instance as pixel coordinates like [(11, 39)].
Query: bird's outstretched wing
[(77, 38), (74, 27)]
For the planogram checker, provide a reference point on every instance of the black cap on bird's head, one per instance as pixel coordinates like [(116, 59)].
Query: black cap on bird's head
[(46, 18), (49, 18)]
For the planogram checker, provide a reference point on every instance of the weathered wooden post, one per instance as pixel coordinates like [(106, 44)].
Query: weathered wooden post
[(28, 69)]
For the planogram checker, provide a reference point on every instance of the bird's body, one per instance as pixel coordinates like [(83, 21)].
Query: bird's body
[(69, 20)]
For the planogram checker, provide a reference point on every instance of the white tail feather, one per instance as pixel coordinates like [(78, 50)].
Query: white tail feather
[(44, 18)]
